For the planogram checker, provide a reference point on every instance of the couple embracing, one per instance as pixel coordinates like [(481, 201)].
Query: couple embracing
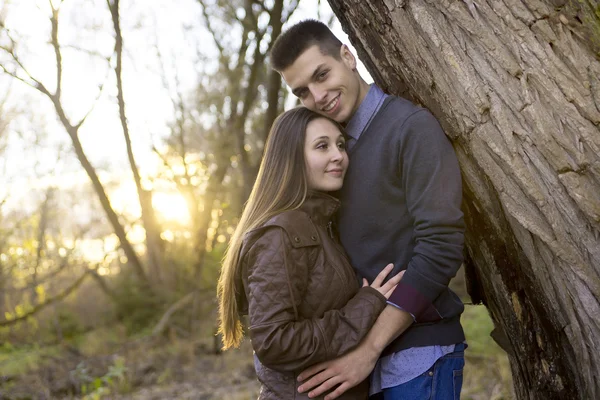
[(343, 266)]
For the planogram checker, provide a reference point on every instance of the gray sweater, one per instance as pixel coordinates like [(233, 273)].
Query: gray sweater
[(401, 203)]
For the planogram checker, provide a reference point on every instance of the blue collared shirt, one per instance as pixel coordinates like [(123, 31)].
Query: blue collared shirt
[(397, 368)]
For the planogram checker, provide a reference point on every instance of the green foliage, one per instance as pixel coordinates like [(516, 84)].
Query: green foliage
[(212, 265), (487, 370), (136, 307), (165, 376), (95, 388), (69, 323), (18, 361), (478, 325), (102, 340)]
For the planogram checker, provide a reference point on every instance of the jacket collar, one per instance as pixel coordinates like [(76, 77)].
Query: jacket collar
[(320, 206)]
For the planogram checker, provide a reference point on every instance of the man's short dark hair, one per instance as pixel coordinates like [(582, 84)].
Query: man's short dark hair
[(298, 38)]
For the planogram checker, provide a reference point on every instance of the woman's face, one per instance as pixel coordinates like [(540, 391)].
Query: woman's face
[(325, 155)]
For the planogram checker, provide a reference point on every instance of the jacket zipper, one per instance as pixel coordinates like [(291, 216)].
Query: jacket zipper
[(330, 229)]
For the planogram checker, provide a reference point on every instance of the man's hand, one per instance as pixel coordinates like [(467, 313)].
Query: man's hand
[(353, 367), (346, 371)]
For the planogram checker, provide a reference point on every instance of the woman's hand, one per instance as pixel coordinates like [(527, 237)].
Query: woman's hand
[(387, 288)]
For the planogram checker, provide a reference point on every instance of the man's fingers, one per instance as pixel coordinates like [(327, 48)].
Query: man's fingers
[(310, 371), (324, 387), (338, 391), (365, 282), (315, 381)]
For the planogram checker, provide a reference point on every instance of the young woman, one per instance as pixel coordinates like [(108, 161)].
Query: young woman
[(285, 268)]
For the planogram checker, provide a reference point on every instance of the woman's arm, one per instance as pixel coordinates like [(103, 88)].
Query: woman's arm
[(277, 276)]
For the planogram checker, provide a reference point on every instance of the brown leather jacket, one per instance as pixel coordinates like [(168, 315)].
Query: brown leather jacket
[(302, 298)]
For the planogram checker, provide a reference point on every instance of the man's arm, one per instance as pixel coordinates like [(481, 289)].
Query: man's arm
[(352, 368), (430, 176)]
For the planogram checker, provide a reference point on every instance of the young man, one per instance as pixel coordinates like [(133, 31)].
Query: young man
[(400, 203)]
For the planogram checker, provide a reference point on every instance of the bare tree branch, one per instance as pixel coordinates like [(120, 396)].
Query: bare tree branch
[(153, 240), (43, 305), (213, 33), (36, 84), (87, 51), (102, 284), (160, 327), (293, 7), (72, 131), (94, 103), (178, 104), (262, 6), (178, 305), (56, 47)]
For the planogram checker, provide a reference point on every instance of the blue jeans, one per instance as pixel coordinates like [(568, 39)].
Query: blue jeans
[(443, 381)]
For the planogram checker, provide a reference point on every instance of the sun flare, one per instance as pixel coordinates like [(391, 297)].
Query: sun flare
[(171, 206)]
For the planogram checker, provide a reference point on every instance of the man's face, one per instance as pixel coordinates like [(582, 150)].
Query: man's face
[(326, 85)]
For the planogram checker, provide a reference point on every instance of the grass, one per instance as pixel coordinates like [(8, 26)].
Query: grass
[(177, 364), (487, 370), (21, 360), (101, 340)]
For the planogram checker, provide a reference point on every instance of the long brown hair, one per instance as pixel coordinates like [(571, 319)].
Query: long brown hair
[(281, 185)]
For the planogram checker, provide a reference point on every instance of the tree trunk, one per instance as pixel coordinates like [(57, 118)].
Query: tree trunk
[(3, 284), (73, 132), (516, 86), (203, 218), (41, 243), (154, 244)]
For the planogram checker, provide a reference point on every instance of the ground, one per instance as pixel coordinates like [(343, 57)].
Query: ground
[(103, 365)]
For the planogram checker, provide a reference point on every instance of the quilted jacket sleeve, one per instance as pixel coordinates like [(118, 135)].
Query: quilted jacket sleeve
[(277, 274)]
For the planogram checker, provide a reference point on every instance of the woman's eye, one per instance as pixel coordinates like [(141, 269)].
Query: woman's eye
[(322, 75), (322, 146), (342, 145)]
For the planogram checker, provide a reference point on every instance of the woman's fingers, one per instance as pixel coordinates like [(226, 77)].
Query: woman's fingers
[(389, 292), (382, 275), (393, 282), (387, 288)]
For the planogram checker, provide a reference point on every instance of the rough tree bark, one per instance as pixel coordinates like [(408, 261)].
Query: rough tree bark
[(516, 86)]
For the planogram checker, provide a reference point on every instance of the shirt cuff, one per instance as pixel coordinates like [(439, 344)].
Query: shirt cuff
[(400, 308)]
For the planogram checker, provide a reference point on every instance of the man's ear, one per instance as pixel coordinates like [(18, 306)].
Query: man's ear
[(347, 57)]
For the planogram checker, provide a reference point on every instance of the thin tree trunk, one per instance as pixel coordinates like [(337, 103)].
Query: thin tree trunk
[(154, 244), (203, 218), (41, 244), (25, 76), (273, 92), (516, 86), (3, 285), (132, 258)]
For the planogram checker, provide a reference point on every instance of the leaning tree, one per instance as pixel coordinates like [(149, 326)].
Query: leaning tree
[(516, 86)]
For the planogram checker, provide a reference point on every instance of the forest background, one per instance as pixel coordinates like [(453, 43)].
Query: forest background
[(130, 136)]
